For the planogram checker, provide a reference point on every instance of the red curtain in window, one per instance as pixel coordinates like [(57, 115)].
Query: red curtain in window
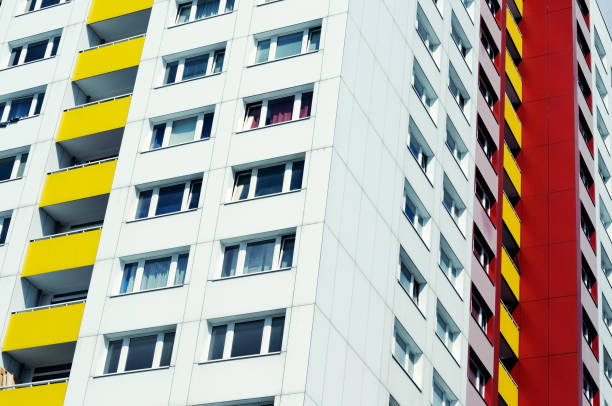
[(306, 105)]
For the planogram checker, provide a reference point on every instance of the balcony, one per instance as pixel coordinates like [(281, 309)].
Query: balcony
[(515, 80), (117, 19), (511, 221), (50, 393), (94, 129), (514, 125), (508, 389), (79, 194), (509, 329), (511, 274), (515, 33), (109, 70), (516, 7), (512, 170)]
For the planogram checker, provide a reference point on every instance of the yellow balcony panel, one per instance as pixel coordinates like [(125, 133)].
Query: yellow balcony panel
[(511, 220), (507, 387), (515, 77), (108, 58), (509, 329), (66, 252), (49, 395), (511, 274), (513, 122), (45, 327), (107, 9), (512, 169), (82, 182), (515, 33)]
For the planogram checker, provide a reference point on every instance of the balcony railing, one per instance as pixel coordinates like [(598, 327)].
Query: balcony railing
[(48, 393)]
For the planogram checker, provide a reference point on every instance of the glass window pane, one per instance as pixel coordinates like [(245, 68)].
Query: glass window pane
[(218, 62), (207, 125), (112, 356), (170, 199), (47, 3), (144, 201), (182, 15), (230, 259), (56, 42), (39, 103), (287, 252), (194, 194), (171, 69), (297, 173), (129, 276), (306, 105), (280, 110), (247, 338), (22, 164), (195, 67), (166, 354), (252, 116), (183, 131), (20, 108), (289, 45), (207, 8), (263, 51), (217, 342), (158, 136), (259, 256), (155, 273), (140, 353), (314, 38), (270, 180), (229, 6), (6, 167), (181, 269), (36, 51), (241, 189), (276, 334), (4, 230), (15, 55)]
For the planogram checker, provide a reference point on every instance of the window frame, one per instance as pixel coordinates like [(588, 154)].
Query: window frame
[(415, 282), (19, 164), (155, 194), (168, 126), (20, 51), (34, 110), (263, 104), (5, 226), (193, 5), (211, 66), (252, 186), (35, 5), (412, 354), (451, 267), (125, 342), (140, 263), (273, 41)]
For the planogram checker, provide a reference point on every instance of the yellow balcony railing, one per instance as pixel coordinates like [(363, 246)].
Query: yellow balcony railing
[(41, 327), (515, 77), (511, 220), (513, 122), (507, 387), (94, 118), (512, 169), (511, 274), (106, 9), (514, 32), (108, 58), (79, 183), (51, 394), (60, 253), (509, 329)]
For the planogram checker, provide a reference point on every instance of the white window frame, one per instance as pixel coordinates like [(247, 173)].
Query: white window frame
[(421, 220), (253, 181), (125, 348), (458, 149), (461, 41), (425, 91), (8, 103), (459, 92), (17, 165), (3, 218), (411, 354), (37, 5), (24, 50), (306, 38), (451, 267), (451, 332), (295, 114), (168, 130), (192, 12), (242, 246), (420, 150), (453, 204), (140, 270), (155, 196), (415, 282), (180, 69), (428, 35)]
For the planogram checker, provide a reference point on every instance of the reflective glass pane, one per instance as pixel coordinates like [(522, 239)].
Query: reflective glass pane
[(287, 252), (171, 69), (20, 108), (314, 39), (230, 259), (182, 15), (194, 194), (252, 116), (207, 8), (263, 51), (183, 130), (280, 110), (195, 67), (181, 269), (6, 167), (158, 136), (247, 338), (22, 164), (144, 202), (270, 180), (36, 51), (217, 342), (207, 125), (289, 45), (259, 256), (129, 276), (297, 173), (166, 354), (170, 199), (276, 334), (4, 230), (241, 189), (112, 356), (140, 353), (155, 273)]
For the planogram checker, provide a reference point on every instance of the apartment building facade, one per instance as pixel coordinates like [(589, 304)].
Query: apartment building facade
[(280, 202)]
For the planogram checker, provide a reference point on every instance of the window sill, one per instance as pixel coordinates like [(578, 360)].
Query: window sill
[(412, 300), (43, 8), (26, 63), (248, 130), (202, 19), (132, 372), (282, 59), (264, 197), (147, 291), (407, 374), (215, 361), (10, 180), (7, 123), (175, 145), (188, 80), (161, 215), (250, 274), (265, 3), (451, 282), (415, 230)]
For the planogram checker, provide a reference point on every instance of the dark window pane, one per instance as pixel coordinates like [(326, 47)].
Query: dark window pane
[(129, 276), (287, 252), (5, 227), (217, 342), (241, 189), (306, 105), (158, 136), (230, 259), (259, 256), (166, 354), (229, 6), (39, 103), (276, 335), (6, 167), (56, 42), (182, 15), (207, 8), (15, 55), (20, 108), (207, 125), (218, 62), (247, 338), (170, 199), (297, 173), (194, 193), (280, 110), (181, 269), (144, 201), (112, 356), (289, 45), (47, 3), (263, 51), (22, 164), (36, 51), (314, 39), (171, 67), (140, 353), (195, 67), (270, 180), (252, 116), (155, 273)]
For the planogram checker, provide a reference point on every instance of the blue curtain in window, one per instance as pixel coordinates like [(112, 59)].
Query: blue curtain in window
[(155, 274)]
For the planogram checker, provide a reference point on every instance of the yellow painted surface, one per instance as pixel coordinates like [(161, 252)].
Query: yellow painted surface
[(515, 78), (507, 387), (513, 122), (44, 327), (509, 330), (510, 274), (519, 6), (512, 169), (514, 32), (93, 119), (105, 9), (108, 58), (79, 183), (48, 395), (512, 221), (60, 253)]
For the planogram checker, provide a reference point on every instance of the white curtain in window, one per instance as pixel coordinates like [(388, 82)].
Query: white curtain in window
[(155, 274)]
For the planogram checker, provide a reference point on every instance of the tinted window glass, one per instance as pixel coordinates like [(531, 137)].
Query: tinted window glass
[(247, 338)]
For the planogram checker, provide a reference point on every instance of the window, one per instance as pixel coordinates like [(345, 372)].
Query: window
[(424, 91), (481, 251), (246, 338), (199, 9), (48, 373), (154, 273), (480, 312), (602, 129), (486, 142), (447, 331), (13, 110), (33, 5), (277, 110), (453, 204), (416, 213), (139, 352), (428, 35), (469, 7), (411, 279), (12, 167), (287, 45), (174, 132), (169, 199), (194, 66), (34, 51), (259, 255), (456, 146), (601, 88), (441, 393), (458, 91), (268, 180), (477, 374), (589, 387), (450, 265), (600, 49), (486, 90), (483, 194), (493, 6), (460, 39), (420, 149), (5, 221), (407, 353), (488, 42)]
